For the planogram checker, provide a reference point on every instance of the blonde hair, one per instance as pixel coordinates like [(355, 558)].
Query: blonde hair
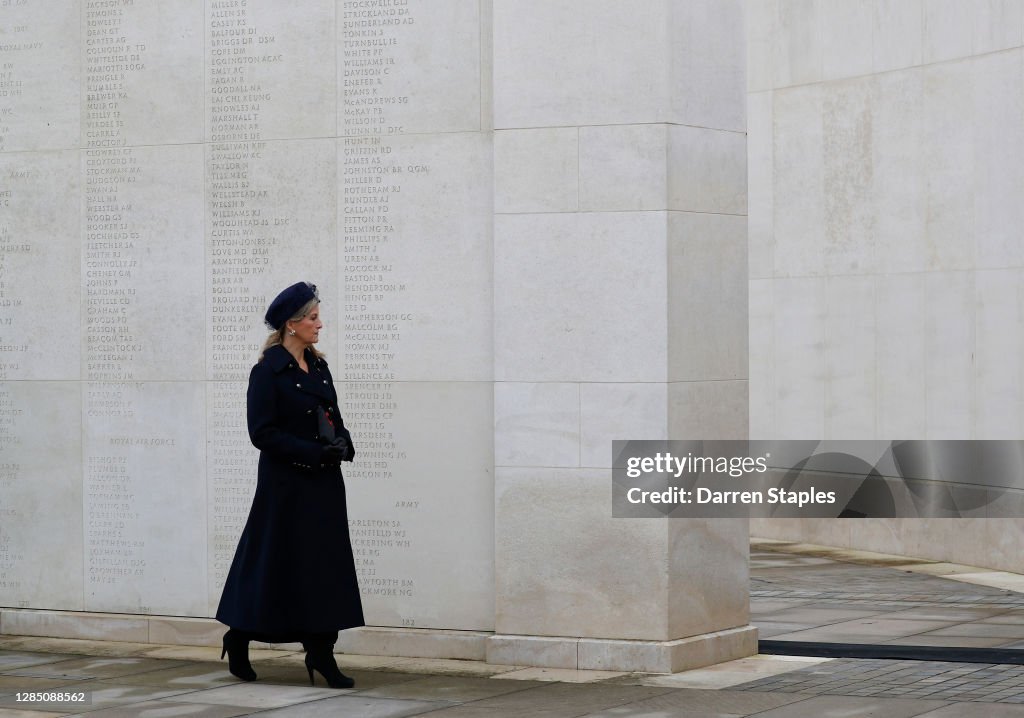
[(277, 337)]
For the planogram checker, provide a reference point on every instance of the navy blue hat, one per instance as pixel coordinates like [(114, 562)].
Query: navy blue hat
[(288, 302)]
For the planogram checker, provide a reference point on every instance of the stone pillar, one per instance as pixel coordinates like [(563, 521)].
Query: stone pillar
[(620, 313)]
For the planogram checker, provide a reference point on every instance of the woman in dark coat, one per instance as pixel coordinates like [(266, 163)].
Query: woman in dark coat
[(293, 578)]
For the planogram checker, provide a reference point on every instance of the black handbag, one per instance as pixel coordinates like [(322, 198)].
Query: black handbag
[(329, 435)]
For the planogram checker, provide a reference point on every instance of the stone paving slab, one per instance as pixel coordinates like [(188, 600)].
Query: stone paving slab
[(945, 641), (168, 709), (553, 700), (813, 593), (684, 701), (189, 675), (16, 713), (453, 689), (934, 680), (869, 602), (853, 707), (357, 705), (12, 660), (753, 686), (93, 667)]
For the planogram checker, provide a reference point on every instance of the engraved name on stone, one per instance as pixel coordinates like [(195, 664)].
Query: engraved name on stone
[(236, 94), (231, 472), (20, 48), (111, 57), (12, 249), (376, 544), (369, 44), (11, 556), (111, 239)]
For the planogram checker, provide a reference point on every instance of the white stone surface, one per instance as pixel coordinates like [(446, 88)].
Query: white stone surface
[(761, 344), (434, 266), (42, 71), (580, 297), (533, 651), (1000, 378), (896, 184), (949, 372), (59, 624), (425, 71), (610, 412), (998, 97), (760, 26), (760, 188), (707, 409), (554, 534), (847, 38), (998, 25), (851, 358), (143, 256), (142, 484), (280, 229), (423, 476), (948, 30), (537, 170), (415, 642), (707, 170), (900, 186), (603, 77), (897, 36), (231, 467), (41, 544), (623, 167), (270, 71), (712, 554), (489, 300), (848, 228), (537, 424), (707, 265), (186, 631), (901, 353), (707, 57), (948, 160), (39, 320), (798, 52), (800, 381), (669, 656), (154, 58), (798, 181)]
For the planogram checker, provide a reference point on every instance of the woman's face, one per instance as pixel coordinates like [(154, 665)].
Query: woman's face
[(307, 329)]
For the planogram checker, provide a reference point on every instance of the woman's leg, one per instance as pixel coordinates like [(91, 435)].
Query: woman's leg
[(320, 658), (236, 645)]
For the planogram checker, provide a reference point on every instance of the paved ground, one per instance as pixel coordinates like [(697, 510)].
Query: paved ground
[(798, 592), (812, 596)]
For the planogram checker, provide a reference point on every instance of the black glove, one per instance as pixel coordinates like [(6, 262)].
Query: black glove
[(339, 450), (333, 454)]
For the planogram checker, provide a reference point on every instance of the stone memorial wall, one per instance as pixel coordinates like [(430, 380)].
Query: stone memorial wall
[(165, 169), (886, 165), (527, 224)]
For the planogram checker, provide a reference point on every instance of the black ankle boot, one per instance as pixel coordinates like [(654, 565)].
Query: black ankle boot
[(320, 658), (236, 645)]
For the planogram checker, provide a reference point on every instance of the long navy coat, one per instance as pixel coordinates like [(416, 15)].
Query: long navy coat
[(293, 572)]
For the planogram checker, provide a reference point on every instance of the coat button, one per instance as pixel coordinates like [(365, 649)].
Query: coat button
[(325, 381), (298, 386)]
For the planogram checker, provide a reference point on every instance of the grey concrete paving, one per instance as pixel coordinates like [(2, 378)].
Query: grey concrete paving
[(157, 688), (797, 596)]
